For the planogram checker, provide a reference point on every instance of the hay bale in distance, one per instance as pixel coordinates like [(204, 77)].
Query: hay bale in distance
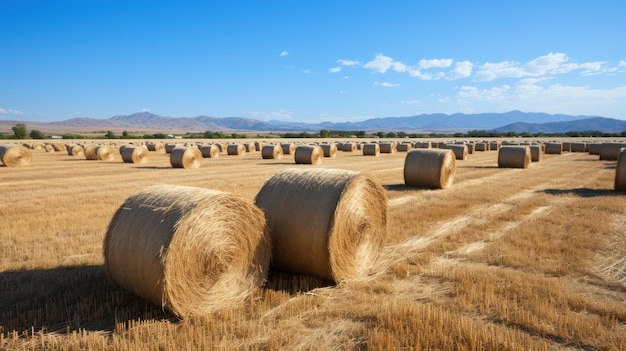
[(329, 223), (387, 148), (460, 151), (308, 154), (90, 152), (372, 149), (75, 150), (250, 147), (514, 157), (422, 145), (288, 148), (535, 153), (330, 150), (236, 150), (134, 154), (349, 147), (104, 153), (15, 156), (169, 147), (185, 157), (620, 172), (554, 148), (481, 147), (59, 147), (272, 152), (594, 148), (429, 168), (203, 250), (611, 151), (578, 147), (210, 151), (156, 147)]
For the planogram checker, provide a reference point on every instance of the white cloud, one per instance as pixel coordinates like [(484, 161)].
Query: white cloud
[(435, 63), (345, 77), (462, 69), (348, 62), (284, 53), (10, 112), (622, 64), (386, 84), (3, 111), (306, 71), (491, 71), (145, 110), (548, 64), (334, 69), (383, 63)]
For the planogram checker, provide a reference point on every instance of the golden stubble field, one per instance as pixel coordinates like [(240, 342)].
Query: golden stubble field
[(505, 259)]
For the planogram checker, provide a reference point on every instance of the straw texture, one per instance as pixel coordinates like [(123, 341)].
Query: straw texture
[(210, 151), (185, 157), (15, 156), (236, 150), (309, 154), (272, 152), (429, 168), (371, 149), (514, 157), (330, 150), (620, 172), (104, 153), (134, 154), (610, 151)]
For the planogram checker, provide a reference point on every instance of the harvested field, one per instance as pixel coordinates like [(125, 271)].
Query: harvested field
[(503, 259)]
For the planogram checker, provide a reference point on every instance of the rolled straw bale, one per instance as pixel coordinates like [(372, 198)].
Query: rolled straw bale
[(104, 153), (535, 153), (329, 223), (330, 150), (169, 147), (481, 147), (429, 168), (387, 148), (494, 145), (288, 148), (185, 157), (349, 147), (578, 147), (28, 145), (60, 147), (554, 148), (236, 150), (75, 150), (210, 151), (470, 148), (372, 149), (459, 150), (594, 148), (514, 157), (272, 152), (309, 154), (567, 146), (422, 145), (156, 147), (258, 146), (134, 154), (90, 152), (190, 250), (49, 148), (339, 146), (15, 156), (610, 151), (38, 146), (620, 172), (250, 147)]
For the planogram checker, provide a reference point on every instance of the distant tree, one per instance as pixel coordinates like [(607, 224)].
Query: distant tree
[(381, 134), (324, 133), (125, 134), (391, 135), (19, 131), (35, 134), (110, 135), (1, 135)]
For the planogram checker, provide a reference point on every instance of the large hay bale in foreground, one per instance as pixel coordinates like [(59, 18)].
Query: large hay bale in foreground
[(611, 151), (309, 154), (190, 250), (104, 153), (15, 156), (329, 223), (272, 152), (210, 151), (236, 150), (514, 157), (554, 148), (371, 149), (330, 150), (620, 172), (185, 157), (134, 154), (429, 168)]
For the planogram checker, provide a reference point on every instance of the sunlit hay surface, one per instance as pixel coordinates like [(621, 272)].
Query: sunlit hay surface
[(504, 260)]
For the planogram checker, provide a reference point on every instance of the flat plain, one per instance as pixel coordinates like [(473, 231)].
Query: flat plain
[(504, 259)]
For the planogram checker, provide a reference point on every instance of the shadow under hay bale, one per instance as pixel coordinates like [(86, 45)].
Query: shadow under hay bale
[(328, 223), (429, 168), (203, 250)]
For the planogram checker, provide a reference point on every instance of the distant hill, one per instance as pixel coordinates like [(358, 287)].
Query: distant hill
[(601, 124), (516, 121)]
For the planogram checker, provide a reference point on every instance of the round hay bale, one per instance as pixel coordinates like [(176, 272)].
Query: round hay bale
[(554, 148), (470, 148), (309, 154), (90, 152), (185, 157), (250, 147), (620, 172), (49, 148), (481, 147), (578, 147), (38, 146), (236, 150), (75, 150), (210, 151), (535, 153), (169, 147), (104, 153), (514, 157), (371, 149), (272, 152), (348, 147), (15, 156), (288, 148), (610, 151), (459, 150), (28, 145), (494, 145), (258, 146), (59, 147), (329, 223), (156, 147), (422, 145), (594, 148), (387, 148), (429, 168), (190, 250), (567, 147), (330, 150), (134, 154)]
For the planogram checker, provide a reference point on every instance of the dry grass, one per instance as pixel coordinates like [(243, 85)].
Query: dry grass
[(506, 259)]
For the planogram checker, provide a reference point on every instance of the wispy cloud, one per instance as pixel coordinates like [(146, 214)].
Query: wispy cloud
[(348, 62), (435, 63), (10, 111), (386, 84), (382, 63), (284, 53), (334, 69)]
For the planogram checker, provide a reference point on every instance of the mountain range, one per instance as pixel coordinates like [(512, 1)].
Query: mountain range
[(513, 121)]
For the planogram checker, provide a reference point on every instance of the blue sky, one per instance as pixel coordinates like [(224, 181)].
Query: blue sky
[(310, 60)]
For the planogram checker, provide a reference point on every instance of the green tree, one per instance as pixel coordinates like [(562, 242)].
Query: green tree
[(19, 130), (36, 134), (1, 135), (324, 133), (110, 135), (125, 134)]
